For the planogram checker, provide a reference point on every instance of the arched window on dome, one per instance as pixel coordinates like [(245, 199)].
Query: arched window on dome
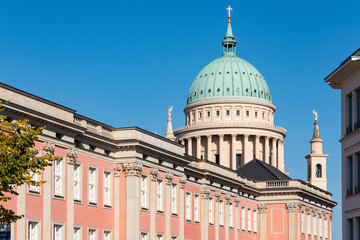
[(318, 171)]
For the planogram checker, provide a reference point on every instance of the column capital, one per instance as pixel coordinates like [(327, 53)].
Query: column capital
[(227, 199), (117, 169), (217, 196), (233, 135), (183, 180), (237, 201), (257, 137), (71, 156), (299, 206), (246, 135), (198, 137), (291, 207), (169, 177), (262, 208), (49, 148), (209, 136), (205, 192), (132, 168), (154, 171), (331, 216), (266, 138), (221, 135)]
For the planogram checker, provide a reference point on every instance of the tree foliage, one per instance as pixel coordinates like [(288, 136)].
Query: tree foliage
[(18, 161)]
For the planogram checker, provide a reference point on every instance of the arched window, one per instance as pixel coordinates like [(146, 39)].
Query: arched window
[(318, 171)]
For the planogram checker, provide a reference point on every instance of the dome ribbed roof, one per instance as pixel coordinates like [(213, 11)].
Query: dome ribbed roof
[(229, 78)]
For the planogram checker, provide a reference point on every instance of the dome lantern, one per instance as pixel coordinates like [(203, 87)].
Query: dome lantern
[(229, 42)]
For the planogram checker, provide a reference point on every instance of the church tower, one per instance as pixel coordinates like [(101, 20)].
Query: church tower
[(316, 160)]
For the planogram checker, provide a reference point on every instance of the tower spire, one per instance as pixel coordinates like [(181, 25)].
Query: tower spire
[(169, 131), (229, 42)]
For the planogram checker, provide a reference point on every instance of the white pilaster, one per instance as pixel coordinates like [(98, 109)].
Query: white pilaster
[(71, 160), (263, 212), (291, 212), (226, 220), (21, 223), (168, 180), (205, 192), (117, 171), (183, 181), (237, 218), (49, 149)]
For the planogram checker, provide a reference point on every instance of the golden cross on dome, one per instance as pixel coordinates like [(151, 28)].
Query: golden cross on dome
[(229, 13)]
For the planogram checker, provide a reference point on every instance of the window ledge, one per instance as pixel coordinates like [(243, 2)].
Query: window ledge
[(77, 201), (108, 206), (92, 204), (59, 197), (34, 193)]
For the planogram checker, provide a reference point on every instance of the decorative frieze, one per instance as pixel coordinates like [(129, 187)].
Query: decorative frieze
[(49, 148), (183, 180), (71, 156), (117, 169), (262, 208), (132, 168), (291, 207), (169, 177), (205, 193), (154, 172)]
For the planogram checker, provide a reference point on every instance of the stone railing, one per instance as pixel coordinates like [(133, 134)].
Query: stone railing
[(93, 126), (277, 184)]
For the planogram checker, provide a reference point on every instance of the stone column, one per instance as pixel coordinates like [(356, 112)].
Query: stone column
[(132, 173), (330, 227), (153, 177), (209, 154), (246, 158), (205, 192), (198, 147), (183, 180), (306, 222), (237, 218), (226, 219), (189, 141), (257, 147), (299, 220), (273, 153), (281, 163), (216, 214), (221, 151), (262, 213), (233, 152), (267, 148), (49, 149), (291, 212), (168, 180), (71, 161), (21, 223), (117, 172)]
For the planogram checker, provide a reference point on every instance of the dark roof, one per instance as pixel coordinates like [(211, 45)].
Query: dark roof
[(260, 171)]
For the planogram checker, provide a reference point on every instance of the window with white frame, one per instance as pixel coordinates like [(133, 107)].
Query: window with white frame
[(33, 230), (144, 236), (188, 206), (314, 225), (34, 177), (308, 223), (249, 219), (221, 213), (326, 228), (255, 221), (107, 188), (320, 227), (92, 185), (58, 177), (58, 232), (159, 195), (302, 222), (174, 238), (144, 192), (77, 233), (92, 234), (77, 178), (107, 235), (196, 208), (211, 210), (160, 237), (173, 198), (231, 215), (243, 223)]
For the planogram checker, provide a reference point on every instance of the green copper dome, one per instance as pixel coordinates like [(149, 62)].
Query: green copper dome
[(229, 78)]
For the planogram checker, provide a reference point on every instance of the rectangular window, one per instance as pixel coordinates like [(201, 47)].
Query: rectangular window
[(77, 187), (174, 199), (350, 229), (34, 177), (256, 114), (349, 122), (159, 195), (357, 173), (255, 221), (221, 213), (33, 230), (314, 225), (326, 228), (107, 189), (188, 206), (77, 233), (217, 159), (144, 236), (107, 235), (211, 210), (144, 192), (349, 179), (237, 112), (159, 237), (208, 113), (308, 222), (302, 222), (92, 185), (58, 178), (92, 234), (57, 232), (231, 216), (227, 112), (238, 161), (217, 113), (247, 113), (249, 220), (243, 223), (197, 208)]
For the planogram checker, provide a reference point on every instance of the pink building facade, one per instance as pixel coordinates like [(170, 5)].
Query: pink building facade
[(127, 183)]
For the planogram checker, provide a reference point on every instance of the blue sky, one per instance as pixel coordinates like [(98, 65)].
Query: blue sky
[(124, 63)]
